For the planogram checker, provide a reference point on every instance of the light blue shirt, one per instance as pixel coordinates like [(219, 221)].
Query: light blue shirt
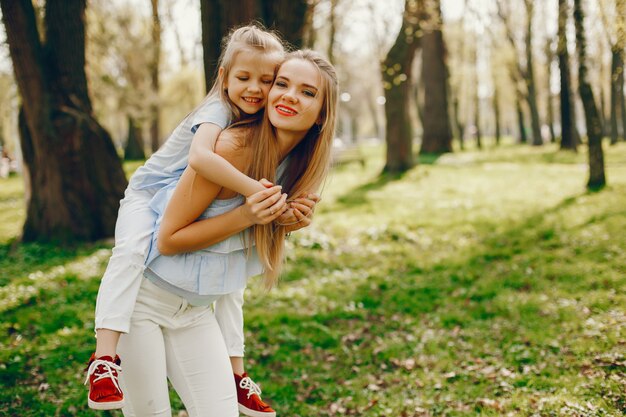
[(202, 276), (169, 162)]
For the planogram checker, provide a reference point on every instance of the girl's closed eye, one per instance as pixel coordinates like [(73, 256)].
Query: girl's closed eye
[(268, 82), (242, 78)]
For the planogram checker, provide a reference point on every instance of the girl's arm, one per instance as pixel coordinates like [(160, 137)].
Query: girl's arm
[(215, 168), (180, 232)]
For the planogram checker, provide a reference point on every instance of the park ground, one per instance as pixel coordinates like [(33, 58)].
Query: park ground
[(486, 283)]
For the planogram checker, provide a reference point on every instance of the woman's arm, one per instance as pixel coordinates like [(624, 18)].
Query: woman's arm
[(193, 194), (215, 168)]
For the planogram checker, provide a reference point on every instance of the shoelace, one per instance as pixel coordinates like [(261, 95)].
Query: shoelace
[(109, 367), (251, 386)]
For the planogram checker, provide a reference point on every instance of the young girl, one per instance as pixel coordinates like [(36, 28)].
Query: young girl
[(174, 333), (246, 73)]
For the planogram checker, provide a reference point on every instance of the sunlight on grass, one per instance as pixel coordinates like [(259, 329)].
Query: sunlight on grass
[(484, 283)]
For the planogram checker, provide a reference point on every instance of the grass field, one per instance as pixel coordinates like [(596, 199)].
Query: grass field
[(477, 284)]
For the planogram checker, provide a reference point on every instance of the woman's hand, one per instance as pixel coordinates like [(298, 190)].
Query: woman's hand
[(265, 206)]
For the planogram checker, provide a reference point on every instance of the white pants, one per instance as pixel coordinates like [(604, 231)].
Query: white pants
[(229, 315), (168, 338), (124, 273)]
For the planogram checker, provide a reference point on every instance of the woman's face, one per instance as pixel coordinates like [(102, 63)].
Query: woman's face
[(297, 96)]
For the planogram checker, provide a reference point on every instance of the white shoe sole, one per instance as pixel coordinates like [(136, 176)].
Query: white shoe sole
[(112, 405), (251, 413)]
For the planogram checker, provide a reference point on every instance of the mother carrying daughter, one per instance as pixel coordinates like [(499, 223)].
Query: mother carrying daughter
[(246, 72), (174, 333)]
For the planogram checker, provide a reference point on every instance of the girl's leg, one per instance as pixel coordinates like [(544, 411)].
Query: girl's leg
[(198, 367), (121, 280), (144, 378), (229, 314)]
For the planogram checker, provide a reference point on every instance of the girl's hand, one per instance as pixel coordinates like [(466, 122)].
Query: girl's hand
[(265, 206), (301, 221), (299, 209)]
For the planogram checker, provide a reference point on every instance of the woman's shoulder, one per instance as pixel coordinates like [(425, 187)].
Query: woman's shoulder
[(230, 144)]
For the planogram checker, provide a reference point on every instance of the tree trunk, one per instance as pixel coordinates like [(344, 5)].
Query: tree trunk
[(437, 137), (549, 101), (621, 44), (568, 133), (134, 145), (154, 75), (76, 178), (520, 117), (597, 178), (616, 67), (496, 113), (218, 17), (309, 33), (479, 138), (460, 127), (396, 74), (530, 77), (333, 28)]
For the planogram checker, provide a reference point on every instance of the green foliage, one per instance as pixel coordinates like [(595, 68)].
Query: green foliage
[(485, 283)]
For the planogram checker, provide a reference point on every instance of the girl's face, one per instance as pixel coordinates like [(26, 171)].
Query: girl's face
[(296, 98), (249, 80)]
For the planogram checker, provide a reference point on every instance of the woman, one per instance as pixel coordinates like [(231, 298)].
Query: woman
[(174, 332)]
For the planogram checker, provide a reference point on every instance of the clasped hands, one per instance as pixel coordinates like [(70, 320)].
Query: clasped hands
[(272, 205)]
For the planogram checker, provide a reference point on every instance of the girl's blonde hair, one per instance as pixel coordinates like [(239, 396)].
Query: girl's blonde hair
[(307, 165), (247, 39)]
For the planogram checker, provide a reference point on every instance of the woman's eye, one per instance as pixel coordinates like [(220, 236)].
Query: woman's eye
[(281, 84), (309, 93)]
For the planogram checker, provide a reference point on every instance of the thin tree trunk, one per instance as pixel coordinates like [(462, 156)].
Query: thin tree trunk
[(520, 117), (396, 74), (568, 133), (479, 138), (437, 136), (597, 177), (616, 67), (457, 121), (154, 76), (549, 101), (418, 95), (331, 36), (621, 43), (134, 145), (530, 77), (75, 176), (496, 113), (309, 33)]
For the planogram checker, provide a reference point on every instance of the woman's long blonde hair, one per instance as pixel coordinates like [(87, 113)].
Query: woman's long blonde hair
[(307, 165)]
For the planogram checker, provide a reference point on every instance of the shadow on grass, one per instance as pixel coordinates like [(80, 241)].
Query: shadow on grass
[(358, 196), (18, 260), (428, 158)]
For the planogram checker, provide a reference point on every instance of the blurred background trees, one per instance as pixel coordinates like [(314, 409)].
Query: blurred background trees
[(413, 73)]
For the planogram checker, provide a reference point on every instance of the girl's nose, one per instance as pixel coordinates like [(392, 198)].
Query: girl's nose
[(254, 87)]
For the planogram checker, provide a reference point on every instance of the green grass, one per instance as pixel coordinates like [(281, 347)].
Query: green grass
[(479, 283)]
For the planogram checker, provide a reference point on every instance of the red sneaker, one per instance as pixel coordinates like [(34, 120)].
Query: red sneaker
[(104, 389), (249, 398)]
